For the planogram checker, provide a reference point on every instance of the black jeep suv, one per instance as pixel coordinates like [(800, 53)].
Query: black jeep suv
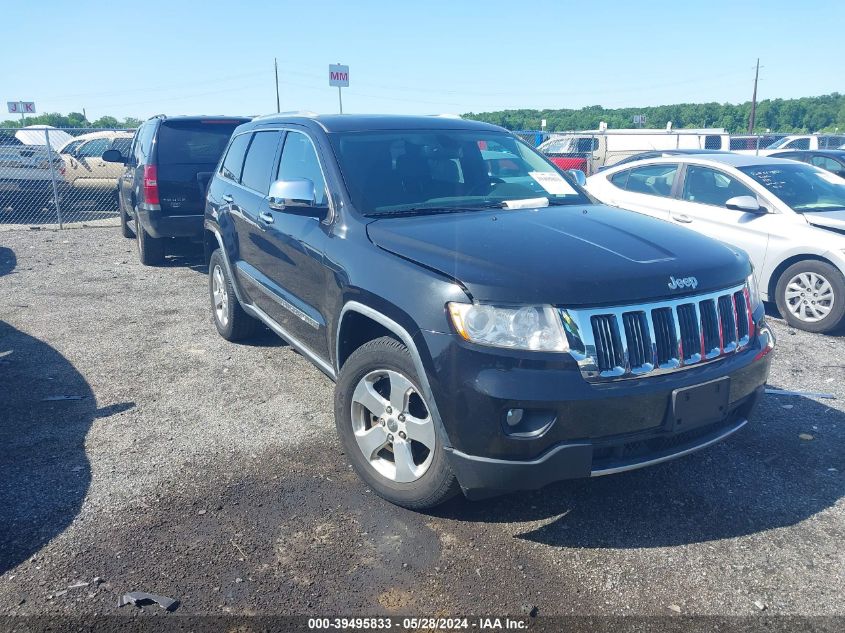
[(488, 326), (168, 168)]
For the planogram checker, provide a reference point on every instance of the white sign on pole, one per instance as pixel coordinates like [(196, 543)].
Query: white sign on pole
[(339, 75), (21, 107), (542, 123)]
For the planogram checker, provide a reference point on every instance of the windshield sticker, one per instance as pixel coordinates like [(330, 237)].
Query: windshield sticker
[(529, 203), (553, 182)]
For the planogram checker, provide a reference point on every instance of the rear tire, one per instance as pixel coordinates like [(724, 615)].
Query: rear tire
[(811, 296), (150, 249), (232, 322), (124, 223), (394, 457)]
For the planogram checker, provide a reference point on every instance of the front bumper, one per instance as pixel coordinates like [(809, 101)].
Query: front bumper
[(583, 429)]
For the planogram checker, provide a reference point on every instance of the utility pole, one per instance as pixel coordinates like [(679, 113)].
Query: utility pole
[(276, 65), (754, 100)]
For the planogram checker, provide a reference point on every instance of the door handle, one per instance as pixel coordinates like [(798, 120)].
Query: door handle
[(227, 198), (681, 217), (266, 216)]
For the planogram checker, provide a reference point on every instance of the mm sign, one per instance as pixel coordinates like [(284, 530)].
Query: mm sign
[(338, 75), (21, 107)]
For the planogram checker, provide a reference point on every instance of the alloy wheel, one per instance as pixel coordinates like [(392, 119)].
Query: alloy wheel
[(392, 426), (220, 296)]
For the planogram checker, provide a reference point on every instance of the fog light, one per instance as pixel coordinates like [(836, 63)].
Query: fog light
[(514, 417), (528, 423)]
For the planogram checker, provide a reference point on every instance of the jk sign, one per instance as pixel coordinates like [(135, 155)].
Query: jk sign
[(338, 75), (21, 107)]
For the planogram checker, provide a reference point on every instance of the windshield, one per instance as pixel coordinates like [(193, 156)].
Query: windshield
[(401, 170), (569, 145), (804, 188)]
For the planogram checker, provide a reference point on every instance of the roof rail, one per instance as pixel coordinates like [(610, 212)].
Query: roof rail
[(305, 113)]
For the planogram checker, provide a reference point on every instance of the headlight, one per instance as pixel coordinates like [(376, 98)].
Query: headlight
[(535, 328), (753, 291)]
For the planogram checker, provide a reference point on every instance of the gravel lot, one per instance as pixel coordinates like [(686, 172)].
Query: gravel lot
[(209, 472)]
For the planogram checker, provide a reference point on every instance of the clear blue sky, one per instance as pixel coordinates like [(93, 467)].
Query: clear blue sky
[(142, 58)]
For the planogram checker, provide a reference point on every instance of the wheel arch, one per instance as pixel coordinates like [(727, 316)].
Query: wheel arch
[(772, 284), (354, 312)]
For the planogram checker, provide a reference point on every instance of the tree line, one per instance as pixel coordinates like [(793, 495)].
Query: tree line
[(825, 113), (74, 119)]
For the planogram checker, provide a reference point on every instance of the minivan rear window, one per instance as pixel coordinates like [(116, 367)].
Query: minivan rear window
[(194, 142)]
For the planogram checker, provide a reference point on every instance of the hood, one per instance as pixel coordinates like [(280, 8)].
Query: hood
[(833, 220), (565, 255)]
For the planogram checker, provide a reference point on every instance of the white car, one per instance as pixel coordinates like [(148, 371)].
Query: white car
[(788, 216), (799, 142)]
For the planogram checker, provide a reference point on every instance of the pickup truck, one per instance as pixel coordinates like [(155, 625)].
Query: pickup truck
[(488, 326)]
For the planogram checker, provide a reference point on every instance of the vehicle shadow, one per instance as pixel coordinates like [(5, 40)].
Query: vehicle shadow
[(185, 254), (8, 260), (762, 478), (46, 409)]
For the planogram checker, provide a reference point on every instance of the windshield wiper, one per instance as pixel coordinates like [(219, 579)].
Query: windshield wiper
[(434, 210)]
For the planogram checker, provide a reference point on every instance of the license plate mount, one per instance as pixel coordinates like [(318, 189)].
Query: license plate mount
[(696, 406)]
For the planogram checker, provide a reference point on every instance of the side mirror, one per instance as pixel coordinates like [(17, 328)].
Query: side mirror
[(578, 176), (748, 204), (113, 156), (292, 193)]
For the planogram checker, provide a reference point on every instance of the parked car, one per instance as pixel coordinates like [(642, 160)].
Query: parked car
[(832, 160), (591, 150), (752, 141), (485, 332), (162, 188), (664, 152), (26, 174), (86, 174), (788, 216), (799, 141)]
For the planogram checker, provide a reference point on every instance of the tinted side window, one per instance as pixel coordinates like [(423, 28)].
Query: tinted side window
[(94, 149), (259, 163), (620, 179), (708, 186), (655, 180), (826, 163), (299, 160), (713, 142), (234, 161), (122, 145), (144, 142)]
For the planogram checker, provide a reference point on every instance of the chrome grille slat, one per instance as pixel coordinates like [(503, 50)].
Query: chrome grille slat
[(649, 339)]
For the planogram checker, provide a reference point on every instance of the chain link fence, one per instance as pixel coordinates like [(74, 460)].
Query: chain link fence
[(592, 151), (57, 176)]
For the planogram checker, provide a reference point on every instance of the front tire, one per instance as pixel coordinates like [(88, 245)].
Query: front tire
[(150, 249), (387, 428), (232, 322), (811, 296)]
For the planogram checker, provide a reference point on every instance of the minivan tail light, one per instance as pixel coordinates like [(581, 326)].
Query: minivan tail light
[(150, 184)]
